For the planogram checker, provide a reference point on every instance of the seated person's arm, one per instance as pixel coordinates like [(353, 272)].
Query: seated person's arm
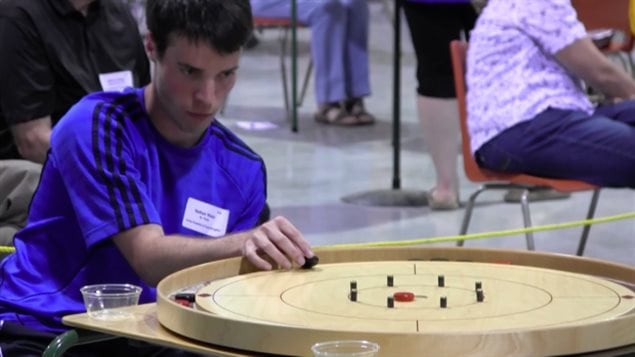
[(33, 138), (583, 59), (154, 255)]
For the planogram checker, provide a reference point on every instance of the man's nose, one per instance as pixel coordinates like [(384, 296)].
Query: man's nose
[(206, 93)]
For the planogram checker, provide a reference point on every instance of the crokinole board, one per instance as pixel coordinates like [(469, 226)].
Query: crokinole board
[(534, 303)]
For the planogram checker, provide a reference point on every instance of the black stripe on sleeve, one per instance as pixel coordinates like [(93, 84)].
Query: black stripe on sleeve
[(122, 169), (99, 165), (110, 122), (107, 132)]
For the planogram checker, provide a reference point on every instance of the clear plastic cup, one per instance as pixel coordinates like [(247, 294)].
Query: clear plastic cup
[(108, 301), (345, 348)]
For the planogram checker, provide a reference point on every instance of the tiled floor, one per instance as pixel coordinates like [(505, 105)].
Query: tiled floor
[(311, 171)]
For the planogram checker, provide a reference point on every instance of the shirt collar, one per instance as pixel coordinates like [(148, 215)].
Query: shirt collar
[(65, 8)]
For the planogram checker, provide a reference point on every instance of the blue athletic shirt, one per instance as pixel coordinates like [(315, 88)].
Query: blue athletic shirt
[(109, 170)]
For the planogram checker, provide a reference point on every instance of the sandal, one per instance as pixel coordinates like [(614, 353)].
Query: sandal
[(335, 114), (356, 107), (442, 204)]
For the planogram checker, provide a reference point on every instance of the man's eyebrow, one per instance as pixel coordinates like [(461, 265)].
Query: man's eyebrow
[(189, 66)]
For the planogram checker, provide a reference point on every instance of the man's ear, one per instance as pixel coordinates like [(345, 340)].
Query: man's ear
[(151, 48)]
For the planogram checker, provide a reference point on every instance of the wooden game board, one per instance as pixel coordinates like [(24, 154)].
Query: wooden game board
[(540, 304)]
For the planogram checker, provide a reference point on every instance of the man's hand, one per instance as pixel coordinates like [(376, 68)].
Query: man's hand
[(33, 138), (276, 241), (153, 255)]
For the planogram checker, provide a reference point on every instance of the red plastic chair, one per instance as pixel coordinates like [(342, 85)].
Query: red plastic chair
[(607, 14), (504, 181), (599, 15)]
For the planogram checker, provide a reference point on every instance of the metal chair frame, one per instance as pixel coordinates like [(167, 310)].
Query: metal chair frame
[(261, 23), (71, 338)]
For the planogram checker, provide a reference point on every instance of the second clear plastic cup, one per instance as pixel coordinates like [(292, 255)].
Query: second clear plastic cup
[(347, 348)]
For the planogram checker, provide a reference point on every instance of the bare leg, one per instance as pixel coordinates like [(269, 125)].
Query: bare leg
[(440, 122)]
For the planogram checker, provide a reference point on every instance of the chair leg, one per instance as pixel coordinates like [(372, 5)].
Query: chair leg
[(587, 227), (61, 344), (389, 10), (626, 62), (630, 64), (305, 83), (71, 338), (283, 71), (524, 204), (468, 214)]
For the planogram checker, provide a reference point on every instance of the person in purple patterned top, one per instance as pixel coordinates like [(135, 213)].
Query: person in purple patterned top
[(527, 110)]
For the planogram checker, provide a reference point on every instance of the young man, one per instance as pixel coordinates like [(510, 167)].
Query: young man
[(143, 183), (527, 111)]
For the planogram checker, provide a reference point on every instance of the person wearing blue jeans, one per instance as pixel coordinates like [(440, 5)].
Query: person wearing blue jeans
[(339, 47), (527, 110)]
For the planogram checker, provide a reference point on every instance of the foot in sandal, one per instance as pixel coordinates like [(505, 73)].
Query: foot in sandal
[(337, 114), (356, 107)]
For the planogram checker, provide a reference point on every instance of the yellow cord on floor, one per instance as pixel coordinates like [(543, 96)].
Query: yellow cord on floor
[(484, 235), (5, 250), (473, 236)]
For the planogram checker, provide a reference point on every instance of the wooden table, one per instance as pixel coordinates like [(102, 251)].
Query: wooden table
[(144, 326)]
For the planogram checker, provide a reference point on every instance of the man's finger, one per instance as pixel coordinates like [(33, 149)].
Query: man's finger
[(251, 253), (273, 243), (295, 236)]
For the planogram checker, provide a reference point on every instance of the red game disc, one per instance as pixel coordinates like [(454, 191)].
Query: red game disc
[(403, 296)]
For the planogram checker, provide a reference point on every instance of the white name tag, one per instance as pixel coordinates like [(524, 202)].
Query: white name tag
[(204, 218), (115, 81)]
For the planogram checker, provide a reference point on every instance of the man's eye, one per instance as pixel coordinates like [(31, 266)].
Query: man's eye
[(187, 70), (227, 74)]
